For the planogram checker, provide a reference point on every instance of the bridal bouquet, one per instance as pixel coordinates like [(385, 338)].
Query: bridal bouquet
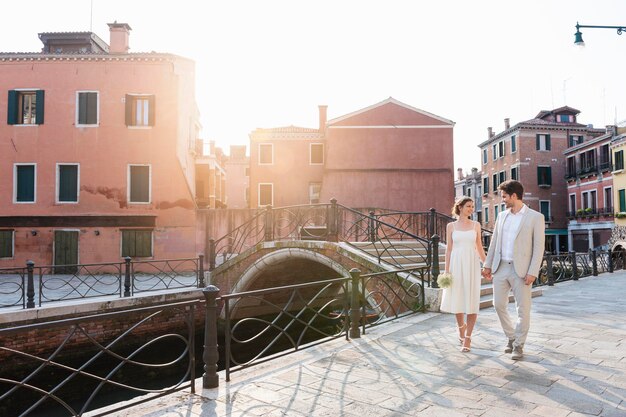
[(444, 280)]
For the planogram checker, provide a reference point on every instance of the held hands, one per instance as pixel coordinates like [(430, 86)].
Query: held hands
[(529, 279), (486, 273)]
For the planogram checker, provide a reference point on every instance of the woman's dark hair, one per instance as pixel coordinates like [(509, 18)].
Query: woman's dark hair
[(512, 187), (460, 202)]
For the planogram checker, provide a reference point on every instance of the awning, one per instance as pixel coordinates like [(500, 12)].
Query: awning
[(556, 232)]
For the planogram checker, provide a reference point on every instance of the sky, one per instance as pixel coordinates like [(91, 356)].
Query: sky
[(270, 63)]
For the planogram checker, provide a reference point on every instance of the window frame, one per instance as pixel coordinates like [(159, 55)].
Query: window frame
[(129, 183), (271, 184), (549, 183), (494, 149), (547, 145), (516, 176), (621, 196), (15, 165), (485, 156), (513, 144), (77, 121), (572, 207), (58, 182), (549, 209), (311, 153), (610, 194), (619, 162), (311, 185), (12, 237), (271, 145), (15, 112), (131, 113), (486, 185), (486, 214)]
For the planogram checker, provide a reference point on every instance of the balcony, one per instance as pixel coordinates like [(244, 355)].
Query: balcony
[(605, 166), (570, 175), (587, 171)]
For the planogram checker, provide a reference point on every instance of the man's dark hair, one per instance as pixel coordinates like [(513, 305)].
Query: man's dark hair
[(512, 187)]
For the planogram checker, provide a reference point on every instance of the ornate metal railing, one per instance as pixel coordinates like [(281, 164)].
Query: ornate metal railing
[(294, 317), (36, 285), (571, 266), (241, 238), (53, 378)]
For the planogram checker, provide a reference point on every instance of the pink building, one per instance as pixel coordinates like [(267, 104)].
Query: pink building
[(237, 166), (388, 155), (97, 152), (588, 172), (211, 177)]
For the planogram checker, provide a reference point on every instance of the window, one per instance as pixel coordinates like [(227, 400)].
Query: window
[(575, 140), (514, 173), (494, 179), (485, 157), (67, 183), (495, 211), (513, 144), (86, 108), (544, 176), (247, 171), (314, 192), (25, 107), (139, 183), (501, 148), (565, 118), (478, 190), (139, 110), (6, 243), (584, 197), (266, 195), (608, 200), (494, 149), (486, 214), (25, 178), (593, 195), (570, 171), (266, 153), (486, 184), (543, 142), (469, 191), (502, 207), (622, 200), (605, 157), (619, 160), (544, 207), (316, 154), (572, 203), (137, 243), (502, 177)]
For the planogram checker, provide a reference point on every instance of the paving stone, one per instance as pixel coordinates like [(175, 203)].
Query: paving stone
[(546, 411)]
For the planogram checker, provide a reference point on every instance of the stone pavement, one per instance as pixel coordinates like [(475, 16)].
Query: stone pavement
[(574, 365)]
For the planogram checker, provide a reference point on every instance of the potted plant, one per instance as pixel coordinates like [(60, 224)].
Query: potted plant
[(579, 212), (620, 215), (588, 211)]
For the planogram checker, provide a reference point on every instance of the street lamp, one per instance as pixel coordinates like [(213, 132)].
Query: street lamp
[(579, 35)]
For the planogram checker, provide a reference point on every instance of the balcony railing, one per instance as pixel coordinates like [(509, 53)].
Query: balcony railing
[(570, 175), (605, 166), (588, 170)]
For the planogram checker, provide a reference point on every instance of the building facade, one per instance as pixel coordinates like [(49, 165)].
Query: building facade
[(470, 185), (211, 178), (237, 178), (618, 149), (532, 152), (97, 152), (588, 173)]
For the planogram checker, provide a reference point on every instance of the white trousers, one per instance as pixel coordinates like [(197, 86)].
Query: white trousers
[(504, 280)]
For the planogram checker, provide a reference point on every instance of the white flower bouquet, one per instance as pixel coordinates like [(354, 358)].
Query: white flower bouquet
[(444, 280)]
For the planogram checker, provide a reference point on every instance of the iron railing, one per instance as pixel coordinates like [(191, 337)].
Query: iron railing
[(36, 285), (54, 378), (572, 265)]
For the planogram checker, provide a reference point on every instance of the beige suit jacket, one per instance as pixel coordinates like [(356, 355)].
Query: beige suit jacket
[(528, 247)]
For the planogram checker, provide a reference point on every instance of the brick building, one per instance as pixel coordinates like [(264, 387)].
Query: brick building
[(97, 152), (532, 152), (470, 185)]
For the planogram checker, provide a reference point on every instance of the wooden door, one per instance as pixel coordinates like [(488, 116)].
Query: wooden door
[(65, 251)]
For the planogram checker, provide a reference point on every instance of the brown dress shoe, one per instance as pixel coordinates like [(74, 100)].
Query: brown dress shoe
[(518, 353), (509, 346)]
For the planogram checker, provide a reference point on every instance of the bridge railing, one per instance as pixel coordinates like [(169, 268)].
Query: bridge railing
[(123, 357), (37, 285), (293, 317), (574, 265)]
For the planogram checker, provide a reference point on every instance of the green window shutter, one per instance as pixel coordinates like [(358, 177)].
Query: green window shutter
[(538, 142), (12, 108), (151, 111), (25, 183), (39, 107), (549, 175), (619, 160), (129, 110), (92, 108), (622, 200), (143, 243), (140, 184), (548, 147), (82, 108), (128, 242), (6, 243), (68, 183)]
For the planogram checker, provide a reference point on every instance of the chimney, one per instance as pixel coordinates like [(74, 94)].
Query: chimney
[(119, 33), (474, 171), (459, 173), (507, 123), (489, 133), (322, 126)]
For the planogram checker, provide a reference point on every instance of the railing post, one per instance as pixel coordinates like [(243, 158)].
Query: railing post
[(212, 254), (610, 261), (372, 227), (434, 266), (572, 256), (431, 224), (127, 276), (355, 310), (549, 270), (30, 285), (200, 270), (594, 262), (622, 254), (210, 354), (333, 221), (269, 224)]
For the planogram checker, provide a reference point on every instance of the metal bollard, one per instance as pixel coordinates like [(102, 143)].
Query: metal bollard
[(30, 285), (574, 269), (127, 277), (200, 271), (435, 260), (210, 355), (355, 310), (610, 261), (594, 262), (550, 270)]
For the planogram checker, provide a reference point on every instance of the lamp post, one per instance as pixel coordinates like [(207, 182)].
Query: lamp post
[(579, 35)]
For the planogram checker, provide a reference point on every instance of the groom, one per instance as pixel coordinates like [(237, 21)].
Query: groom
[(513, 263)]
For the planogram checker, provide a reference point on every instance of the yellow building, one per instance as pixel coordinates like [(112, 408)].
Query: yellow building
[(618, 149)]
